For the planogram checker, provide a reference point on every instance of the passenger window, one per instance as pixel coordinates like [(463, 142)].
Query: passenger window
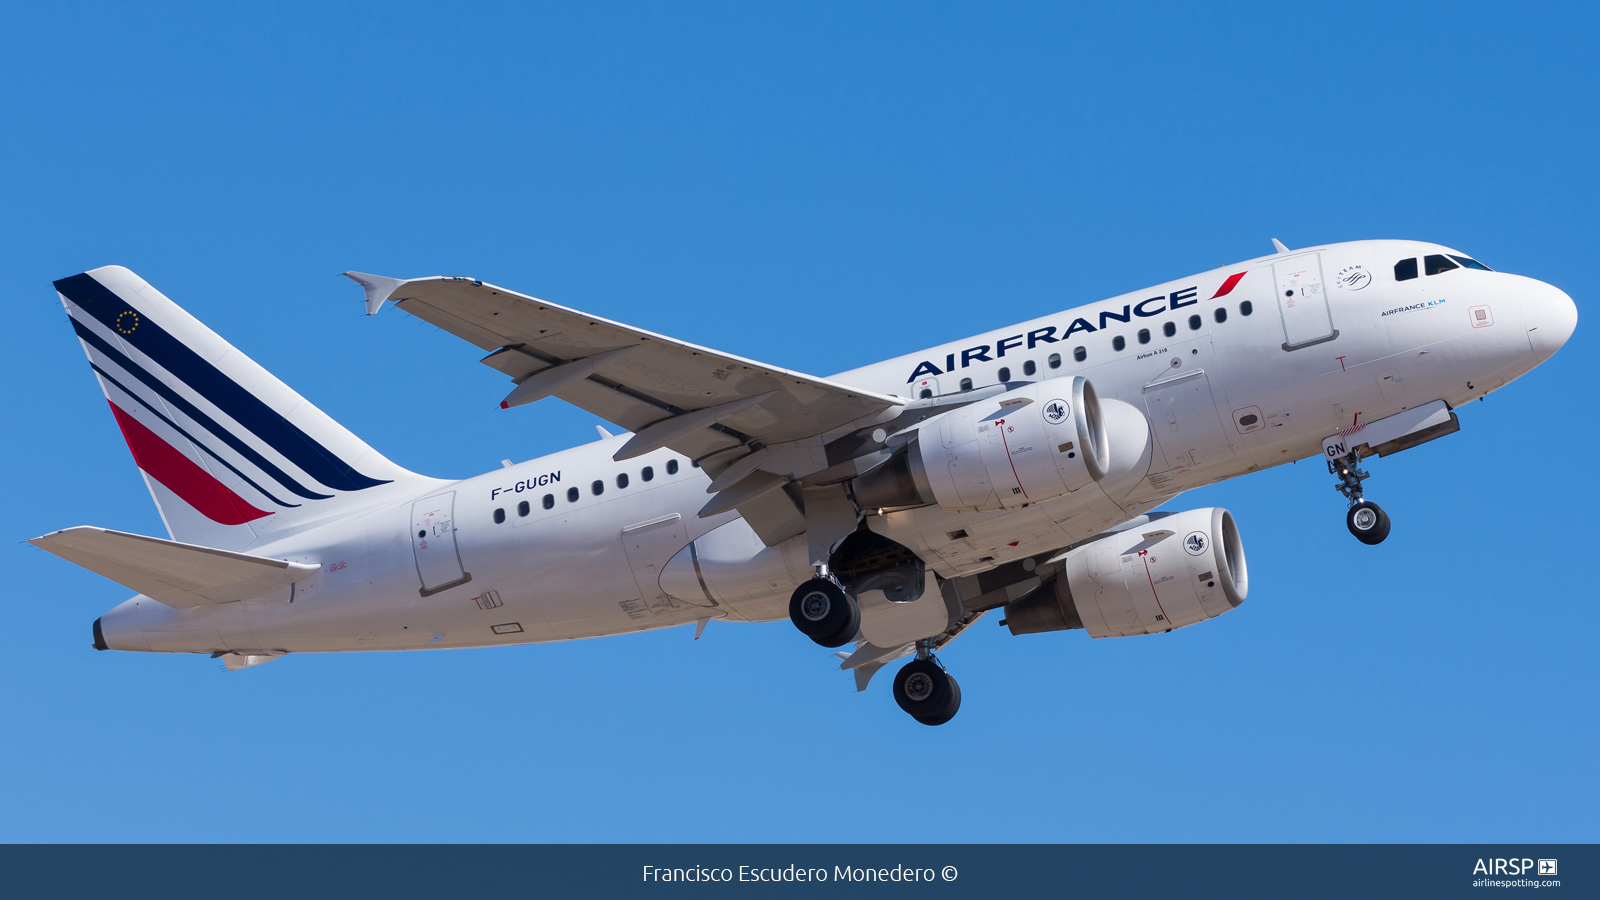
[(1079, 354), (1005, 374), (966, 384), (1405, 269), (672, 467), (1117, 343), (522, 508), (499, 516), (1055, 359), (1194, 323), (1169, 329), (647, 473), (1144, 335), (1028, 368), (1433, 264), (597, 488), (1246, 308), (1221, 315), (622, 479), (572, 495), (927, 393), (1470, 263), (549, 501)]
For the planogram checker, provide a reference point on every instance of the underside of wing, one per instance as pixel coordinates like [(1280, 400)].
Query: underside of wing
[(769, 425)]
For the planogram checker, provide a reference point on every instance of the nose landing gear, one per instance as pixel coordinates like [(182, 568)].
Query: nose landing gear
[(925, 690), (1366, 520)]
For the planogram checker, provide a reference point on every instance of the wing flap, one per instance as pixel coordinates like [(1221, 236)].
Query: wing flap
[(179, 575)]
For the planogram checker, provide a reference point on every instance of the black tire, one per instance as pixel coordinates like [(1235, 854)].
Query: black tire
[(951, 706), (923, 690), (824, 613), (1368, 522)]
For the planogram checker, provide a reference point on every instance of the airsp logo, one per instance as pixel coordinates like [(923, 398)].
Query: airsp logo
[(1056, 411), (1353, 278), (1196, 543)]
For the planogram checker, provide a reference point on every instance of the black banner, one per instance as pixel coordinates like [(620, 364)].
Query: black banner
[(810, 870)]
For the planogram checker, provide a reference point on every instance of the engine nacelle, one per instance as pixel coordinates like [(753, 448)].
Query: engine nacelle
[(1025, 446), (1170, 572)]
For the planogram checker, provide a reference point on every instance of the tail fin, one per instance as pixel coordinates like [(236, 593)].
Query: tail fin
[(231, 455)]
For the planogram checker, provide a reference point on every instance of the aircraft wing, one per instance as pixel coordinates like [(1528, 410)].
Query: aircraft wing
[(711, 406), (179, 575)]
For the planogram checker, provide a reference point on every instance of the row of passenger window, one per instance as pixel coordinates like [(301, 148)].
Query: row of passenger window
[(1118, 344), (1433, 264), (597, 487)]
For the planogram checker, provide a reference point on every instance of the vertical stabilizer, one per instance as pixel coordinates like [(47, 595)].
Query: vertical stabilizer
[(231, 454)]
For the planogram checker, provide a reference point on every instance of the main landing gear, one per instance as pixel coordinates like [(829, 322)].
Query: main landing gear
[(925, 690), (824, 612), (1366, 520)]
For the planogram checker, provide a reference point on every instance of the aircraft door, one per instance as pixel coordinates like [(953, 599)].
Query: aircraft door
[(649, 546), (1303, 301), (1184, 420), (433, 541), (924, 388)]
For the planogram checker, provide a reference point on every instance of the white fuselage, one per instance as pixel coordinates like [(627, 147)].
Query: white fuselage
[(593, 565)]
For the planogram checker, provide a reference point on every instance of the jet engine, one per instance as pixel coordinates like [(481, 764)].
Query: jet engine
[(1032, 444), (1169, 572)]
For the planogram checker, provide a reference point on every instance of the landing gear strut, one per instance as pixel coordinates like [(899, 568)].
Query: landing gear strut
[(1366, 520), (824, 612), (925, 690)]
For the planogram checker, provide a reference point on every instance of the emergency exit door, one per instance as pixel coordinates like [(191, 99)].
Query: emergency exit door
[(1183, 418), (433, 541), (648, 546), (1303, 301)]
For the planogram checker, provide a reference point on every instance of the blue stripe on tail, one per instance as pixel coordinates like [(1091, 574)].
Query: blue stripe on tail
[(208, 381)]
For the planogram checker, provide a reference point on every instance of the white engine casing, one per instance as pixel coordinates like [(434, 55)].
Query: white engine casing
[(1035, 443), (1168, 573)]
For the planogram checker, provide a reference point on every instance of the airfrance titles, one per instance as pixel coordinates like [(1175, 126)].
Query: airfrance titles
[(1429, 304), (1143, 309)]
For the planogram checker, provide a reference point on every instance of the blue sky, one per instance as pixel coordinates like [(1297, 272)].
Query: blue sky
[(816, 186)]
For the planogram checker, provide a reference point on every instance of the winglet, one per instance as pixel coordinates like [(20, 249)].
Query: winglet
[(1279, 244), (378, 288)]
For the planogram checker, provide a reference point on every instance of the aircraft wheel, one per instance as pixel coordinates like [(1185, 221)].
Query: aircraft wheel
[(1368, 522), (927, 692), (824, 612), (951, 706)]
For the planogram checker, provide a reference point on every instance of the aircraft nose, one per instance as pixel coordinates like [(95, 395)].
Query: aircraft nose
[(1552, 317)]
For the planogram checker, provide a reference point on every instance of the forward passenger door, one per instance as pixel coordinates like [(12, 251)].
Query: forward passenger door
[(1303, 301)]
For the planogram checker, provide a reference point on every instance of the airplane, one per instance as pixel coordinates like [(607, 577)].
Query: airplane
[(886, 508)]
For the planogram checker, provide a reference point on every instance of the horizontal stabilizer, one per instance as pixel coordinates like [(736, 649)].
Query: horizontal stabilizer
[(179, 575)]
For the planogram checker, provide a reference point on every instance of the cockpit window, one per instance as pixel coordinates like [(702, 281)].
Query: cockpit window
[(1470, 263), (1436, 263), (1405, 269)]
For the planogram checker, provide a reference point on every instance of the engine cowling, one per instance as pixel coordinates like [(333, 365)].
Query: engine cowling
[(1025, 446), (1172, 571)]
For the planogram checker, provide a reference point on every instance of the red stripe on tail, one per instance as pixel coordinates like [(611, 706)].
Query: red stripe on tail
[(198, 488), (1228, 286)]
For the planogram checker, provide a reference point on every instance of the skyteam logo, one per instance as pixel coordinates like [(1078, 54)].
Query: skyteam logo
[(1056, 412), (1196, 543), (1353, 278)]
